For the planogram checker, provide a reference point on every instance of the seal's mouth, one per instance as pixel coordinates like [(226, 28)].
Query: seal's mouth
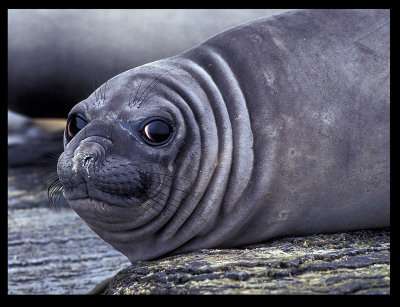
[(96, 202), (89, 192), (111, 205), (102, 215)]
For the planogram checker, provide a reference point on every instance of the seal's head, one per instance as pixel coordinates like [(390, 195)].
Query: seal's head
[(131, 166)]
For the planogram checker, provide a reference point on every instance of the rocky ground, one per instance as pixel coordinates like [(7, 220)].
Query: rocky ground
[(344, 263), (51, 251)]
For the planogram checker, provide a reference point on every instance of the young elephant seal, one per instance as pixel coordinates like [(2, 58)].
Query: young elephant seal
[(279, 126)]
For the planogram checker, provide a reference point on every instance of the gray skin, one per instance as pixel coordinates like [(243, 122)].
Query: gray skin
[(280, 127)]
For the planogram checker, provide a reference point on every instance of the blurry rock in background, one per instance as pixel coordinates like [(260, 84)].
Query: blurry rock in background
[(57, 57), (33, 141)]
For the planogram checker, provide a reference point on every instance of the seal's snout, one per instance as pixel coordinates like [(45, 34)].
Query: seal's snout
[(86, 156)]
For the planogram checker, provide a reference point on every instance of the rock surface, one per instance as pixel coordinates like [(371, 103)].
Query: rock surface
[(51, 250), (345, 263)]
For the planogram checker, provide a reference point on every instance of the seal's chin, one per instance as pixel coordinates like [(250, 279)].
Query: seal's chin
[(105, 216)]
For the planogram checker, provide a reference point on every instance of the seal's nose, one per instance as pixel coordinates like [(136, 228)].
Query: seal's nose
[(86, 156)]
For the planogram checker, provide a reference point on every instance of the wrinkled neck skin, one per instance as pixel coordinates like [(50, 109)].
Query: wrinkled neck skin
[(191, 184)]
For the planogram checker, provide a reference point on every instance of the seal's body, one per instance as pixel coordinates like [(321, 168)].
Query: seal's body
[(276, 127)]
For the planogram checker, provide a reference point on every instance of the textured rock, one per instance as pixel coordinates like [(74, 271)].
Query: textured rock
[(51, 251), (345, 263)]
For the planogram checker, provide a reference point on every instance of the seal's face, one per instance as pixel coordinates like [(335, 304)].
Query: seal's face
[(107, 170), (120, 167)]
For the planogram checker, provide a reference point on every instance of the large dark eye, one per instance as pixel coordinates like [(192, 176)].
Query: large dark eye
[(75, 123), (157, 132)]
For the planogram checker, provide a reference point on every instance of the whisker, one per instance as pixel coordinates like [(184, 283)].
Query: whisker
[(169, 199), (54, 194), (154, 80), (170, 205), (130, 101), (134, 99), (176, 177), (53, 186), (166, 206), (163, 184), (58, 195), (94, 91), (129, 204), (104, 92), (186, 212), (158, 81), (143, 163), (183, 191), (97, 94), (128, 201)]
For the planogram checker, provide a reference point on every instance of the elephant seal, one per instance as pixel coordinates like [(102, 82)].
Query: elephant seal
[(276, 127)]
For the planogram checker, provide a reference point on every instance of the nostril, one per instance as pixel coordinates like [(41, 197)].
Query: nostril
[(86, 161)]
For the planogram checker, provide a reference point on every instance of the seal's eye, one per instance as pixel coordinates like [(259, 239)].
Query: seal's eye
[(75, 123), (157, 132)]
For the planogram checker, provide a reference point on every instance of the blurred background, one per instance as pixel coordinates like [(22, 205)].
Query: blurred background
[(56, 58)]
